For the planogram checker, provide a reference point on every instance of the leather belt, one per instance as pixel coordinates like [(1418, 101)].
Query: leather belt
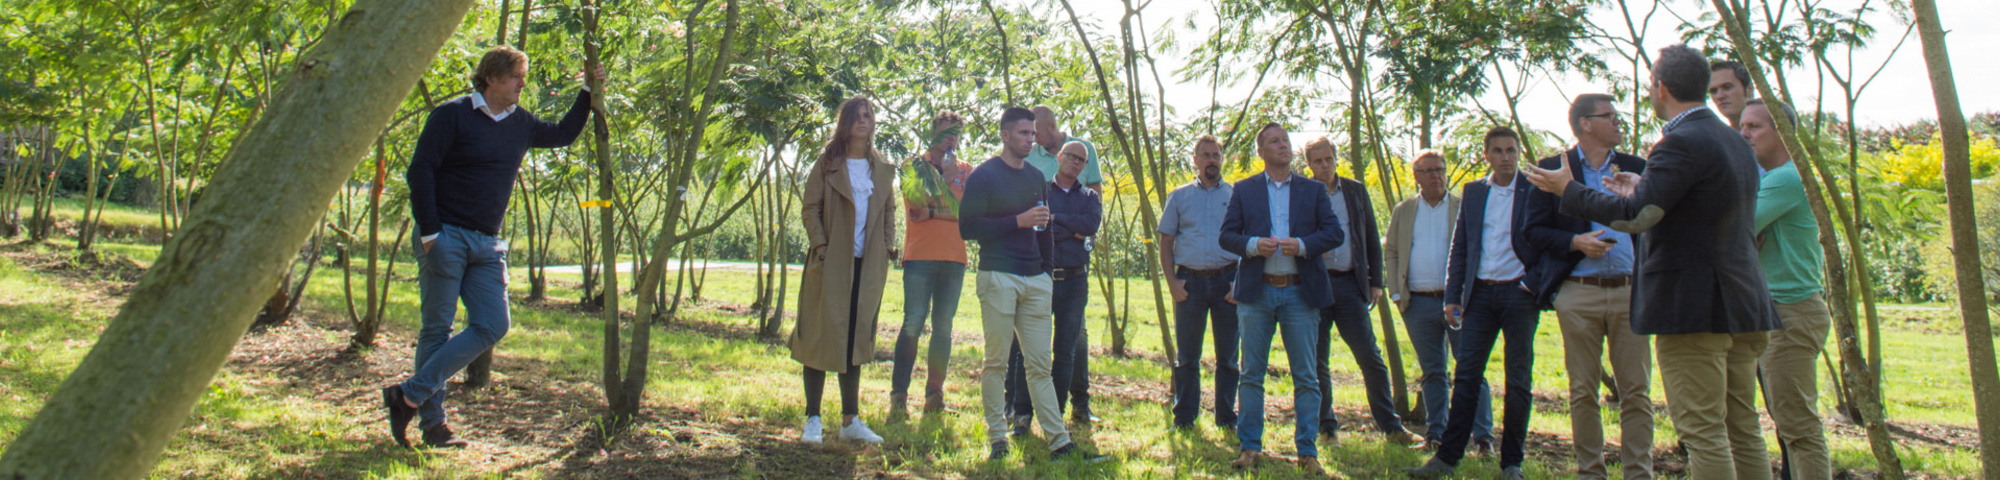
[(1281, 281), (1061, 274), (1512, 281), (1437, 294), (1339, 272), (1607, 282), (1214, 272)]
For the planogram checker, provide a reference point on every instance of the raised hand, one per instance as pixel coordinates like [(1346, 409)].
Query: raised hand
[(1623, 184), (1552, 181)]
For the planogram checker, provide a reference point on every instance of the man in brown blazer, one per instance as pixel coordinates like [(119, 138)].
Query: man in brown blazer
[(1413, 263)]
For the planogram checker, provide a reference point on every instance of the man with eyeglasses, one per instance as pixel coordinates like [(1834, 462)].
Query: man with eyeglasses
[(1413, 262), (1587, 279)]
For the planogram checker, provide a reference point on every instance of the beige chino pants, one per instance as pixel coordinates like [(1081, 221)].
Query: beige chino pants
[(1711, 383), (1010, 307), (1593, 318), (1791, 386)]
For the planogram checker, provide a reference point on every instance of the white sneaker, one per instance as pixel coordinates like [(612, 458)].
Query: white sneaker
[(859, 431), (812, 432)]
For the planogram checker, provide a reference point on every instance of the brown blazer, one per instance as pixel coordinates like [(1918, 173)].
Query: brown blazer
[(821, 337), (1396, 253)]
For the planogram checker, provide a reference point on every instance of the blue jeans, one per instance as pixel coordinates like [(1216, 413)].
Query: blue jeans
[(1434, 342), (930, 291), (461, 265), (1071, 295), (1495, 310), (1350, 315), (1281, 309), (1205, 304)]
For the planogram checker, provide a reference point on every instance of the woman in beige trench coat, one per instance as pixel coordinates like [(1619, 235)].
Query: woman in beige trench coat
[(850, 215)]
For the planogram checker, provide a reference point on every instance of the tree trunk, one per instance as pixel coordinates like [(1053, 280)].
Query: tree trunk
[(1964, 235), (114, 414)]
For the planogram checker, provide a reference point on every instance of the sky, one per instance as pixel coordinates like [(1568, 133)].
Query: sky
[(1901, 94)]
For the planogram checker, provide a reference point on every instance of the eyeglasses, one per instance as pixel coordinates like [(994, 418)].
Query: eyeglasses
[(1075, 157), (1430, 171), (1615, 119)]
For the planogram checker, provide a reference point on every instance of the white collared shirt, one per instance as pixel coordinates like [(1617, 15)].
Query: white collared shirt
[(864, 188), (1281, 225), (479, 103), (1496, 259), (1430, 245)]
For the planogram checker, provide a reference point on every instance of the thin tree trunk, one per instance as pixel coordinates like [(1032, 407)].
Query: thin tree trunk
[(1964, 235), (114, 414)]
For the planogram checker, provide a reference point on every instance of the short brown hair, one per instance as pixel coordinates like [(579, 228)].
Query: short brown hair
[(1207, 139), (499, 60), (1319, 143), (1498, 132)]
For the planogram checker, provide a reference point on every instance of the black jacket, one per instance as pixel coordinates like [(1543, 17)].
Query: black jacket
[(1698, 270), (1550, 231), (1364, 236), (1467, 245)]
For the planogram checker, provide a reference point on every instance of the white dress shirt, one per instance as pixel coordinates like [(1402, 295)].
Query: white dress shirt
[(1430, 247), (858, 175), (1497, 260)]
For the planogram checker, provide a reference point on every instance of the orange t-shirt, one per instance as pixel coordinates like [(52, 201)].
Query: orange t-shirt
[(936, 239)]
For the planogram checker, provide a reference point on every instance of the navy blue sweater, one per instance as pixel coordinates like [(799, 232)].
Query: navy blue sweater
[(994, 194), (462, 172)]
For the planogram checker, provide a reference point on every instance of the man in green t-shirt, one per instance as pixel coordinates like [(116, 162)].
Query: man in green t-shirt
[(1788, 249)]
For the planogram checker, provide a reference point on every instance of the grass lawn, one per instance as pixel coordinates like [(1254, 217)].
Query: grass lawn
[(290, 404)]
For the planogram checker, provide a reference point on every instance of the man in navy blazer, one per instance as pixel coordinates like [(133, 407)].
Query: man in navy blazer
[(1701, 290), (1487, 295), (1586, 276), (1280, 223)]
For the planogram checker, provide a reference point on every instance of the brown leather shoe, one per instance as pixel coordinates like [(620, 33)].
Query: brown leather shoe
[(1430, 445), (400, 413), (1482, 447), (1310, 465), (1248, 459), (1405, 438), (440, 436)]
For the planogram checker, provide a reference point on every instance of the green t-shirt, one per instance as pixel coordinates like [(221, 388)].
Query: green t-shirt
[(1791, 254), (1045, 161)]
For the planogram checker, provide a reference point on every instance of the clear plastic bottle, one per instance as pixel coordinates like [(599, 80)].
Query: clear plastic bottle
[(1038, 204)]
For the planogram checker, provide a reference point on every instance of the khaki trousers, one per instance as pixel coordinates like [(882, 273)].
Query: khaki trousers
[(1791, 386), (1711, 382), (1592, 318), (1014, 307)]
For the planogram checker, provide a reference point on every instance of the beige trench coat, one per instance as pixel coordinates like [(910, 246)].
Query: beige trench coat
[(827, 285)]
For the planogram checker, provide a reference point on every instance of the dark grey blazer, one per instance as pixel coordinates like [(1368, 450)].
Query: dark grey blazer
[(1698, 270)]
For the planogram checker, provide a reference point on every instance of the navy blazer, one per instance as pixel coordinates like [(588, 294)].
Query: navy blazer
[(1313, 223), (1698, 270), (1467, 247), (1550, 232)]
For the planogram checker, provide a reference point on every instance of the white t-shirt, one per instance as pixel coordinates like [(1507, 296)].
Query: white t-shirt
[(859, 177)]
